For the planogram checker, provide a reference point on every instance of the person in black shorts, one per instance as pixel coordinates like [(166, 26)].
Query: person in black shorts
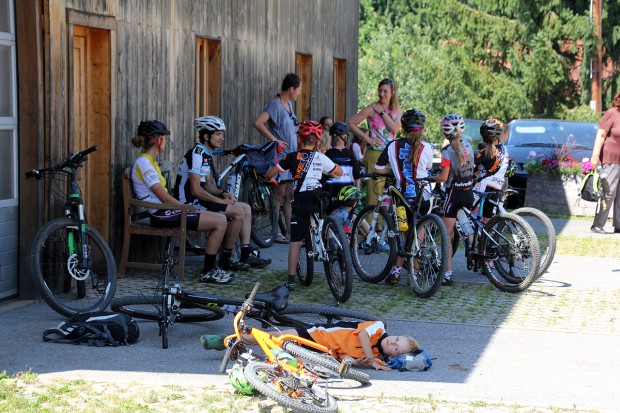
[(149, 185), (457, 171), (307, 166)]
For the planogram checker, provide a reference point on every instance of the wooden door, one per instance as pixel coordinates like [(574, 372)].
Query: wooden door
[(91, 119)]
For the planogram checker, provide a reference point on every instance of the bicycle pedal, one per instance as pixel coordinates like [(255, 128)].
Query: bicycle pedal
[(345, 366)]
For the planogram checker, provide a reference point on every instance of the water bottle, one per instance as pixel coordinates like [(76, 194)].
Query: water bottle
[(601, 172), (285, 357), (232, 180), (464, 223), (401, 213)]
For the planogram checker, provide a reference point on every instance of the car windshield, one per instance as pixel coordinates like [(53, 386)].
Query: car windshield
[(578, 135)]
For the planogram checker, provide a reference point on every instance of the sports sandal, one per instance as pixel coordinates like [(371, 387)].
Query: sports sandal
[(281, 239)]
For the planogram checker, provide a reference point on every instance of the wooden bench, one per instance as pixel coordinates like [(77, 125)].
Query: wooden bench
[(137, 222)]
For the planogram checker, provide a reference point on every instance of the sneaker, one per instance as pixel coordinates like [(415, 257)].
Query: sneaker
[(255, 261), (217, 275), (213, 342), (392, 279), (446, 281), (384, 248), (290, 286), (231, 264)]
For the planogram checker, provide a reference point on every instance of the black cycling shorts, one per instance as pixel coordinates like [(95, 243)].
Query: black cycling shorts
[(166, 218), (304, 205), (211, 206), (455, 200)]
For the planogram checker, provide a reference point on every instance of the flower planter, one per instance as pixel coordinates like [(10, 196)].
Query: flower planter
[(557, 193)]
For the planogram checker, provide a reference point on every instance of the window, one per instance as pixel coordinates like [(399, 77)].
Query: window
[(304, 101), (8, 107), (208, 76), (340, 89)]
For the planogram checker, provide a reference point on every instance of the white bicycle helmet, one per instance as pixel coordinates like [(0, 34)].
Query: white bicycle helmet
[(209, 124), (452, 125)]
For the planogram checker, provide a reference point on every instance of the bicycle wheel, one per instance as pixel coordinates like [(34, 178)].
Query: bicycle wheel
[(264, 220), (324, 360), (149, 307), (295, 392), (510, 255), (308, 315), (545, 232), (338, 267), (431, 258), (305, 265), (373, 259), (55, 263)]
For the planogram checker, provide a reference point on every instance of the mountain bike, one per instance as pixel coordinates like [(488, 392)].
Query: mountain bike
[(327, 243), (424, 244), (71, 263), (287, 380), (505, 248), (168, 303), (242, 179)]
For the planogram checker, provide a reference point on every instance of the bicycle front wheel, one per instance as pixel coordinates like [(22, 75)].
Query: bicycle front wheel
[(264, 219), (324, 360), (373, 254), (338, 267), (510, 255), (292, 391), (308, 315), (545, 232), (149, 307), (431, 258), (68, 284)]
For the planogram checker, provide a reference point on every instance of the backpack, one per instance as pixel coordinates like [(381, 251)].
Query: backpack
[(262, 157), (591, 188), (416, 361), (97, 329)]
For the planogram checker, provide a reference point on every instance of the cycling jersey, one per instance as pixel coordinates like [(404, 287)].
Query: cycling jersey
[(144, 174), (343, 337), (461, 176), (397, 155), (197, 160), (494, 168), (307, 168)]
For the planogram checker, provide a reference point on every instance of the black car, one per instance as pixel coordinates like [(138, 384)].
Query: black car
[(540, 138)]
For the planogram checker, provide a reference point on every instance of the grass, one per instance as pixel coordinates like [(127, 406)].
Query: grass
[(588, 247)]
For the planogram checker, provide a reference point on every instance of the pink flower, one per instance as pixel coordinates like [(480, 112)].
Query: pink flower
[(532, 154)]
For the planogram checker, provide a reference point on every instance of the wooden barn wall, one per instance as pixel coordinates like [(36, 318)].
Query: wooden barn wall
[(153, 57)]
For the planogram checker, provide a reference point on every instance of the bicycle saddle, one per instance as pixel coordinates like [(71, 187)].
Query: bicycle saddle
[(276, 298)]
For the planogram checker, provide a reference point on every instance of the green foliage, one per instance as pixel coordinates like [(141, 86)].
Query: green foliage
[(481, 58)]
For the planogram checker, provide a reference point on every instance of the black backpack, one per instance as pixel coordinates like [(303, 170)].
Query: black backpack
[(591, 188), (97, 329)]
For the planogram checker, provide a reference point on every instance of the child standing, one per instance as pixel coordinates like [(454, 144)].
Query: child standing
[(345, 160), (307, 167)]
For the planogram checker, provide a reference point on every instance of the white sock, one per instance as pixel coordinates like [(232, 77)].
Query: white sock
[(448, 274)]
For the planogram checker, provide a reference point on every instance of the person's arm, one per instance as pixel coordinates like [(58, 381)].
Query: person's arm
[(163, 195), (369, 357), (595, 160), (260, 124), (358, 118), (381, 166), (202, 193), (393, 125)]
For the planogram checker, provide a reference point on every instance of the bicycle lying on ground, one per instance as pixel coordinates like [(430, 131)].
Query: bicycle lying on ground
[(290, 381), (168, 303), (71, 263), (505, 248), (424, 243), (243, 178), (327, 243)]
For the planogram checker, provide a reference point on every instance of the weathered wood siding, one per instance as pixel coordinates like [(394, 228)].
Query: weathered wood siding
[(153, 76)]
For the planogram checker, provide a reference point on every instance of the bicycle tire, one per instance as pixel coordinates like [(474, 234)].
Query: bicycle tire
[(432, 257), (548, 242), (264, 219), (369, 262), (503, 271), (273, 382), (308, 315), (338, 267), (149, 308), (305, 263), (51, 268), (324, 360)]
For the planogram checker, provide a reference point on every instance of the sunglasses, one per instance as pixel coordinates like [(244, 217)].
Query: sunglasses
[(294, 119)]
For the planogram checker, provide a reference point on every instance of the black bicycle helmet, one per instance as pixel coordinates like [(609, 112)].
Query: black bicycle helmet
[(339, 129), (152, 127), (491, 129), (412, 119)]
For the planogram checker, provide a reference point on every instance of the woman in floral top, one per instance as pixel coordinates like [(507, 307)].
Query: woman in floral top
[(383, 117)]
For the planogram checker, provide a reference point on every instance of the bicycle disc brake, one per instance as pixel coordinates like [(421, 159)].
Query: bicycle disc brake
[(75, 269)]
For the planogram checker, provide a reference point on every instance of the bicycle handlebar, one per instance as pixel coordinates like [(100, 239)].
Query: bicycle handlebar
[(72, 161)]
